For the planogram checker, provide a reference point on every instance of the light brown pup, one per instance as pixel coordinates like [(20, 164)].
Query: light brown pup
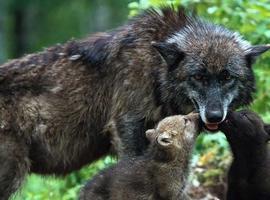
[(159, 174)]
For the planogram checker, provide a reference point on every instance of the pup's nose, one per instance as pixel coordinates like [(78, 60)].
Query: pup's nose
[(214, 116), (193, 116)]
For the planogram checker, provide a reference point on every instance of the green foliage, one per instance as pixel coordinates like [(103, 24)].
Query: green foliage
[(44, 188), (30, 25), (212, 156)]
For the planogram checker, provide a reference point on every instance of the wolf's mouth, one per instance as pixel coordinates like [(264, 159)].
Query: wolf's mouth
[(211, 126)]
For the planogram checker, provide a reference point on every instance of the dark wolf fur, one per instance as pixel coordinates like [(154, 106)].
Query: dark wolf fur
[(159, 174), (249, 175), (61, 108)]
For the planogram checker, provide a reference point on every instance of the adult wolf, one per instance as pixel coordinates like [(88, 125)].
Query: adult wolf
[(67, 106)]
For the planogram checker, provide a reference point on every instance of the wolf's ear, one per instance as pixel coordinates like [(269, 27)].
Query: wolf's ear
[(255, 51), (170, 53)]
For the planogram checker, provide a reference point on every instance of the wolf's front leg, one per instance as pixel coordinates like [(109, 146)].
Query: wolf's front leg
[(14, 164), (129, 135)]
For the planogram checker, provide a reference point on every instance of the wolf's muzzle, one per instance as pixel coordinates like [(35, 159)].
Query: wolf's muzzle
[(214, 116)]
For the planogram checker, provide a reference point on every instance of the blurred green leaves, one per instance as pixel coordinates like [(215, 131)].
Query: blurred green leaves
[(30, 25), (68, 188)]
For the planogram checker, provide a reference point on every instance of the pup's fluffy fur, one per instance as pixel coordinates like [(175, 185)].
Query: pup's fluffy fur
[(159, 174)]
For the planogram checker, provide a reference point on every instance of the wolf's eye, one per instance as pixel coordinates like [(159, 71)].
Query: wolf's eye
[(226, 76), (198, 77)]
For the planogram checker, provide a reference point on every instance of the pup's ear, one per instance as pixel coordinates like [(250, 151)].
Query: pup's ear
[(255, 51), (165, 139), (170, 53), (150, 134)]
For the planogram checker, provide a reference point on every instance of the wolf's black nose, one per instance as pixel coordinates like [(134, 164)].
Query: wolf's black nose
[(214, 116)]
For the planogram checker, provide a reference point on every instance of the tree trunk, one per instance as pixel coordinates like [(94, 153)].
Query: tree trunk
[(20, 39), (3, 45)]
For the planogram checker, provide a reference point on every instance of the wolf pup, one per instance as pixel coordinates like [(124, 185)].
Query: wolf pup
[(249, 174), (160, 173), (58, 107)]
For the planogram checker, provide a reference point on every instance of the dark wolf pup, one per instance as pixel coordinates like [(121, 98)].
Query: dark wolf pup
[(67, 106), (159, 174), (249, 174)]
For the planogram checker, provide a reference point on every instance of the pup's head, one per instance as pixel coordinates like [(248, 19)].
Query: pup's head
[(177, 131), (210, 66), (245, 127)]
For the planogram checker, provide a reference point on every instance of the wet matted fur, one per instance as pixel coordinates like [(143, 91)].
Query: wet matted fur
[(67, 106)]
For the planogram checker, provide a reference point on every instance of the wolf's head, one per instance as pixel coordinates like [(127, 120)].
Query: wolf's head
[(211, 66)]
